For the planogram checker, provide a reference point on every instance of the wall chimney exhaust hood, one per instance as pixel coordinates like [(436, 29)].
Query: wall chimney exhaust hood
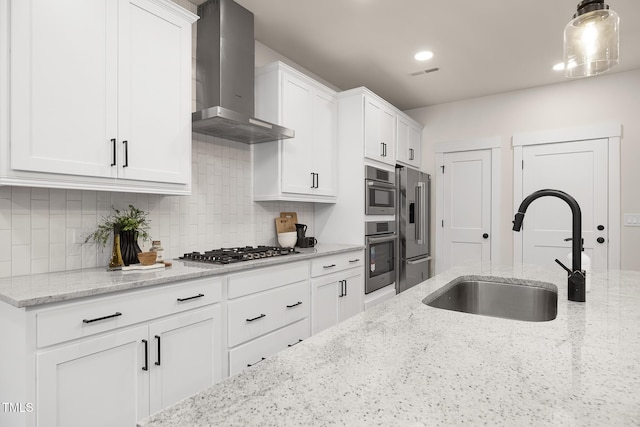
[(225, 63)]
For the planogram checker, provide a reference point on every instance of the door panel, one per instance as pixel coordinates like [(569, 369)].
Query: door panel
[(580, 169), (467, 207)]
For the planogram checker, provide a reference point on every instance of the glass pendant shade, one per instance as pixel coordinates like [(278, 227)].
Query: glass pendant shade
[(591, 42)]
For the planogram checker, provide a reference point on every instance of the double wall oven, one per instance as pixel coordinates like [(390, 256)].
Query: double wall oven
[(381, 237)]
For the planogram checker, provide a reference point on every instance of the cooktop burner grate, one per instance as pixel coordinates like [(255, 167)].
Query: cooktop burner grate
[(238, 254)]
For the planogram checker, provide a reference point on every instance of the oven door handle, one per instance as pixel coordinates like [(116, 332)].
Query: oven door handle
[(381, 239)]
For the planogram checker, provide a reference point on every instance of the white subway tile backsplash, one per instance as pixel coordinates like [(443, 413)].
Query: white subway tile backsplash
[(20, 260), (21, 229)]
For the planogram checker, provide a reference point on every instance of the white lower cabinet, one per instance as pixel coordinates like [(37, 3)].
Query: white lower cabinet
[(255, 351), (337, 289), (117, 372), (94, 382), (268, 310)]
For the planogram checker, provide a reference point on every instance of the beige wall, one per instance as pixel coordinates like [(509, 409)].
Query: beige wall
[(602, 99)]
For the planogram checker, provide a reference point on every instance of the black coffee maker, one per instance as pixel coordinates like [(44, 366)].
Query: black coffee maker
[(304, 241)]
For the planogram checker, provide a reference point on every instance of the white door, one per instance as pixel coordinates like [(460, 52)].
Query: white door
[(97, 382), (185, 356), (467, 208), (580, 169)]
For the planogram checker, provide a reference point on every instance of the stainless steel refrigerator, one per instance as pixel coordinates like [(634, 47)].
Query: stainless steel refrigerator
[(414, 195)]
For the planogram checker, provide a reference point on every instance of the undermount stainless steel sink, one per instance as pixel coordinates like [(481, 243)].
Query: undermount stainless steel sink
[(528, 300)]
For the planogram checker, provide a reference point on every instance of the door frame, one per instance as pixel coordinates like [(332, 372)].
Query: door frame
[(610, 131), (494, 144)]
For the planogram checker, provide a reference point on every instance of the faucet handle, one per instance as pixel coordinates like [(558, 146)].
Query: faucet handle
[(564, 266)]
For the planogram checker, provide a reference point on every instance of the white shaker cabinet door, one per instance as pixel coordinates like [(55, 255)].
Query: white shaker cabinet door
[(352, 301), (64, 86), (185, 357), (154, 94), (379, 131), (325, 115), (326, 307), (98, 382), (297, 108)]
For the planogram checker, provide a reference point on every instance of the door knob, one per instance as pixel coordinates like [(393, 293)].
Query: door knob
[(601, 227), (600, 240), (485, 236)]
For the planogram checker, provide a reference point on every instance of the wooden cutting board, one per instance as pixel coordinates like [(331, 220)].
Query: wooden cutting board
[(291, 215), (284, 225)]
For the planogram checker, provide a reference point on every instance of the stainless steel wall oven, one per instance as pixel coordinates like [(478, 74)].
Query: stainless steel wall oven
[(380, 191), (382, 252)]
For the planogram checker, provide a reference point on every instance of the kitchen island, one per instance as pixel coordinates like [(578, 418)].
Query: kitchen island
[(405, 363)]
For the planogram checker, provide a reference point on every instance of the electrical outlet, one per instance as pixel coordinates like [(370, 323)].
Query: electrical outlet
[(632, 220)]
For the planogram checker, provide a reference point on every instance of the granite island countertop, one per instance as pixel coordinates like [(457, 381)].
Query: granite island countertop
[(38, 289), (405, 363)]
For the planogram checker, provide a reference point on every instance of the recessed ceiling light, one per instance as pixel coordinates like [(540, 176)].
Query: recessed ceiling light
[(424, 55)]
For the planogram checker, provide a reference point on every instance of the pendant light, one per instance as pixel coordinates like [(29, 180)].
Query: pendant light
[(591, 42)]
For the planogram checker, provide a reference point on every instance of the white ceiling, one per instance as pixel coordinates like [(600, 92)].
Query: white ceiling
[(481, 47)]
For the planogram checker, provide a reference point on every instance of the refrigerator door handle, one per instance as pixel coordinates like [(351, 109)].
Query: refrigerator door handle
[(420, 223)]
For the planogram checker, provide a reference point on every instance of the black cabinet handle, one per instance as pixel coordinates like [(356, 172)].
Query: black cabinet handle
[(354, 260), (126, 153), (146, 356), (328, 266), (113, 160), (291, 345), (346, 286), (296, 304), (341, 288), (116, 314), (251, 364), (193, 297), (313, 180), (256, 318), (410, 153), (317, 180), (158, 361)]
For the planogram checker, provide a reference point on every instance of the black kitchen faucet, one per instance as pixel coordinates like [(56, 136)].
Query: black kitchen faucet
[(576, 276)]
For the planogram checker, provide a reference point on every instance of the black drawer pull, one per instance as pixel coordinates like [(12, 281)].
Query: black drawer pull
[(354, 260), (251, 364), (328, 266), (256, 318), (146, 356), (193, 297), (291, 345), (293, 305), (126, 154), (113, 161), (116, 314), (158, 361)]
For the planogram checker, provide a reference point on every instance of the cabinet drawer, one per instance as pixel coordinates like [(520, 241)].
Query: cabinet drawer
[(261, 313), (258, 280), (102, 314), (259, 349), (333, 263)]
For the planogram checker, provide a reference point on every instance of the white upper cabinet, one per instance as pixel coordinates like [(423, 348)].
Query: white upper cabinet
[(100, 95), (379, 130), (409, 141), (301, 168)]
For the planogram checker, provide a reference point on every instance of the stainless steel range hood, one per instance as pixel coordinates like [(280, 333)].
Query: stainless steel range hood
[(225, 62)]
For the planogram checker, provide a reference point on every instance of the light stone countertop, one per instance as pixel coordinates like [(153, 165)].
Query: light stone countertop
[(38, 289), (404, 363)]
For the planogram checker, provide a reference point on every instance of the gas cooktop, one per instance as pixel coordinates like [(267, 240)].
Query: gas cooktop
[(229, 255)]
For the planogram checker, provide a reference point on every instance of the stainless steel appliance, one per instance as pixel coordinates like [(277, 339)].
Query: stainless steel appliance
[(414, 194), (225, 65), (231, 255), (382, 252), (380, 191)]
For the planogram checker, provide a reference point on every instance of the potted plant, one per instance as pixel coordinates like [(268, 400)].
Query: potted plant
[(129, 224)]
